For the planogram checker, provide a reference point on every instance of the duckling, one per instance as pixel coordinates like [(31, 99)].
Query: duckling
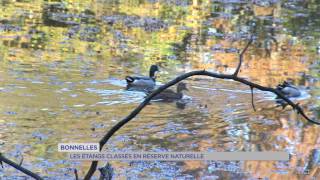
[(169, 95), (143, 82), (288, 90)]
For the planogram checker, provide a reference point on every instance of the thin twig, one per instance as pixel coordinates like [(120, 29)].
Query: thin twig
[(76, 173), (252, 102), (146, 101), (18, 167), (241, 56), (21, 161)]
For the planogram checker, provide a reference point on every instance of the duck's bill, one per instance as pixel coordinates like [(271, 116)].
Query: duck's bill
[(158, 73)]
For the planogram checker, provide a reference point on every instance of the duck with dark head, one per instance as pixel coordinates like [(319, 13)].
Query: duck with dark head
[(143, 83), (288, 90)]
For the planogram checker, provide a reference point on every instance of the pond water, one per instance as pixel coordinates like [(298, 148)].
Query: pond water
[(62, 69)]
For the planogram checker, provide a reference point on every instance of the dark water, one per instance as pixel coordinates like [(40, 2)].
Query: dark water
[(62, 65)]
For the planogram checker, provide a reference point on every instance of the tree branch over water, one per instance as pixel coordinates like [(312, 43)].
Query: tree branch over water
[(241, 56), (234, 77), (19, 167), (252, 100)]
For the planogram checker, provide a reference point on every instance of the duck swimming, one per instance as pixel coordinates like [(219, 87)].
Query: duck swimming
[(170, 95), (288, 90), (143, 82)]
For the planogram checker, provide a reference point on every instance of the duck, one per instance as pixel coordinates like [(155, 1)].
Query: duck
[(288, 90), (143, 82), (169, 95)]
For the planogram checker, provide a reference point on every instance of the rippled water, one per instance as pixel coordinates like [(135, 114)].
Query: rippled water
[(62, 69)]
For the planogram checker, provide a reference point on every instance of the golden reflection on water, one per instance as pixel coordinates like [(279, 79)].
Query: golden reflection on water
[(60, 81)]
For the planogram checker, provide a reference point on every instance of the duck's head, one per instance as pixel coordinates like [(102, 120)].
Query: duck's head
[(181, 87), (283, 85), (153, 70), (286, 84)]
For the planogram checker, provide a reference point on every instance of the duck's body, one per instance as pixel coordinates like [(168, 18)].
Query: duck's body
[(143, 82), (170, 95), (288, 90)]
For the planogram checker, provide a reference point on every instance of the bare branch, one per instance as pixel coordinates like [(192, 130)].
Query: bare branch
[(241, 56), (18, 167), (21, 161), (76, 173), (146, 101), (252, 102), (106, 172)]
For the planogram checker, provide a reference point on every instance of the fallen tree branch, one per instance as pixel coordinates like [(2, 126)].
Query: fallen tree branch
[(19, 167), (146, 101)]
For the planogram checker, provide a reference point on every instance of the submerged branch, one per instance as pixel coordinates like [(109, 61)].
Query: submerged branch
[(146, 101), (19, 167)]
